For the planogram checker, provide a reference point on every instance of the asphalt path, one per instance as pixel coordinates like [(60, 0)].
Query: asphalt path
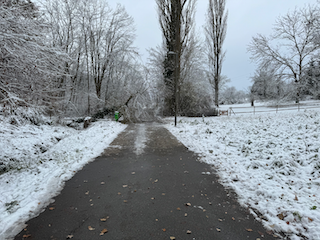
[(146, 185)]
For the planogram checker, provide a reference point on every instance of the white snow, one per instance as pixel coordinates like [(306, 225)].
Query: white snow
[(141, 139), (270, 160), (42, 158), (270, 107)]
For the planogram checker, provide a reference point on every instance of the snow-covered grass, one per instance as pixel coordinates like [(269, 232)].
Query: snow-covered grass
[(271, 161), (35, 161), (271, 107)]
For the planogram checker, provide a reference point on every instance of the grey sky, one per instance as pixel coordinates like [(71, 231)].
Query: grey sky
[(246, 19)]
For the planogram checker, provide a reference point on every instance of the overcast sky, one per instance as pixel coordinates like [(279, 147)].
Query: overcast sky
[(246, 19)]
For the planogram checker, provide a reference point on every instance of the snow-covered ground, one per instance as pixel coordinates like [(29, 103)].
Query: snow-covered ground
[(37, 160), (270, 107), (270, 160)]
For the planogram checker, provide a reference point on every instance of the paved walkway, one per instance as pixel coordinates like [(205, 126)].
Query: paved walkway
[(147, 185)]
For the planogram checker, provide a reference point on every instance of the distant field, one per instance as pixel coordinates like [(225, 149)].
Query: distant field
[(270, 107)]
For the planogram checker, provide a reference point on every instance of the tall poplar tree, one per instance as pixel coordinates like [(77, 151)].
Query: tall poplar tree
[(215, 30), (176, 18)]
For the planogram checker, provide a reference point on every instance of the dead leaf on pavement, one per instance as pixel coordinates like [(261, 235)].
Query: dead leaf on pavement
[(188, 232), (172, 238), (51, 208), (178, 209), (124, 186), (218, 229), (156, 180), (188, 204), (163, 194), (26, 236), (125, 201), (103, 232), (233, 219), (249, 230), (87, 193), (104, 219), (164, 229), (220, 219), (185, 214), (119, 193), (102, 183), (91, 228), (69, 236), (296, 198), (133, 173)]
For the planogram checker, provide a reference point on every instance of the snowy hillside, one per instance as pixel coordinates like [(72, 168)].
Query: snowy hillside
[(35, 161), (271, 161)]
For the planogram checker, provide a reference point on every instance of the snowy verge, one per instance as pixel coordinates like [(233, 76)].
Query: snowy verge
[(25, 191), (271, 161)]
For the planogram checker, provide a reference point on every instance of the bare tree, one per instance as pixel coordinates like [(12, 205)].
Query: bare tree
[(291, 46), (99, 41), (268, 85), (29, 66), (215, 30)]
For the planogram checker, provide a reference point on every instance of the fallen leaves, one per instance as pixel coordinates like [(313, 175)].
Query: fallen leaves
[(164, 230), (104, 219), (51, 208), (249, 229), (172, 238), (26, 236), (91, 228), (125, 186), (280, 216), (188, 204), (69, 236), (103, 232), (189, 232), (218, 229), (179, 209)]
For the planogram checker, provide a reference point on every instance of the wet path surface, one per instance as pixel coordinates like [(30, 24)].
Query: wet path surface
[(147, 185)]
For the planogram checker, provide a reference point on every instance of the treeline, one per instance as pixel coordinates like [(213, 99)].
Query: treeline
[(73, 57), (288, 59)]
